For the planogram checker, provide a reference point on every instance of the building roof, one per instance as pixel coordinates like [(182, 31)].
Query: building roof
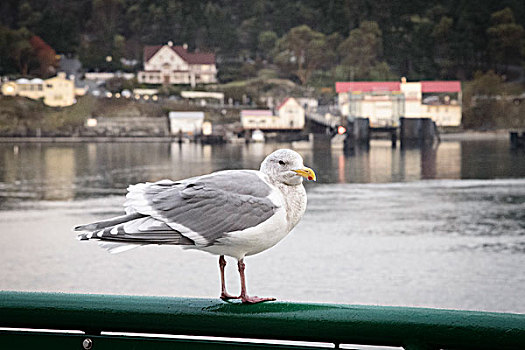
[(367, 86), (371, 86), (284, 102), (256, 113), (191, 58), (186, 115), (441, 86)]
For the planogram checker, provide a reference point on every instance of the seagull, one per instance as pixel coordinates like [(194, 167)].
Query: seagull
[(235, 213)]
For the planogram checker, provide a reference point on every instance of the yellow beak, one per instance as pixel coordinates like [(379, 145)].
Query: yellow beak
[(307, 173)]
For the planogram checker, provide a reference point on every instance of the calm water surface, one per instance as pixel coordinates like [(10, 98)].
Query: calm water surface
[(440, 227)]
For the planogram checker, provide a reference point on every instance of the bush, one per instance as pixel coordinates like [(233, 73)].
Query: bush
[(490, 103)]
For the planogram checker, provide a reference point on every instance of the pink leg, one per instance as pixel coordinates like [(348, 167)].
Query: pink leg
[(224, 293), (244, 296)]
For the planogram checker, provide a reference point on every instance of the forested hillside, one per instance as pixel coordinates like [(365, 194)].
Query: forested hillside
[(312, 42)]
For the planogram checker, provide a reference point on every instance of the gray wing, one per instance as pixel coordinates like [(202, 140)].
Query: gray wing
[(208, 207)]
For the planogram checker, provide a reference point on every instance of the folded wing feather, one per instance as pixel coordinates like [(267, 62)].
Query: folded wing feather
[(195, 211)]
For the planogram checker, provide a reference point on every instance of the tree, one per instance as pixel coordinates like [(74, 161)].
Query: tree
[(28, 17), (221, 35), (103, 48), (301, 51), (482, 104), (361, 54), (267, 41), (46, 57), (443, 54), (249, 34), (8, 40), (505, 38), (16, 53)]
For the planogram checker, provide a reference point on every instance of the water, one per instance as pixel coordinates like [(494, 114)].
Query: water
[(438, 227)]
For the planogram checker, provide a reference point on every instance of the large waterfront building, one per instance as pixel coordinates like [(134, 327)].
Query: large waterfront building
[(384, 102)]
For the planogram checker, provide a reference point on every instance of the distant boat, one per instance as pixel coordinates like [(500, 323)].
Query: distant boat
[(338, 141), (257, 136)]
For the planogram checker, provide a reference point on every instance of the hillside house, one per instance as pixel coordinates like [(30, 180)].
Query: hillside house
[(289, 115), (385, 102), (169, 64), (56, 92)]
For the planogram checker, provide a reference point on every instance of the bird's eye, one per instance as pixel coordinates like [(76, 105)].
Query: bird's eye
[(281, 162)]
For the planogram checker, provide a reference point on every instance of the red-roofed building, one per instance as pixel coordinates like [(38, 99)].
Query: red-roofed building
[(384, 102), (169, 64)]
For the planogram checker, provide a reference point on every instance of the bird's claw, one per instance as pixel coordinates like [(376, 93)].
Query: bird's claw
[(255, 300), (226, 296)]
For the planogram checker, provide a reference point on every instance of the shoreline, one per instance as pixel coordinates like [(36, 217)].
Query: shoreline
[(475, 135), (87, 139), (460, 136)]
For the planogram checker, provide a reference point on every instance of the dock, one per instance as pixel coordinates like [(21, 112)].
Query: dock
[(517, 139)]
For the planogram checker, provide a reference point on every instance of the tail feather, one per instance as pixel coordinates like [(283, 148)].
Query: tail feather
[(115, 248), (109, 222), (135, 229), (83, 236)]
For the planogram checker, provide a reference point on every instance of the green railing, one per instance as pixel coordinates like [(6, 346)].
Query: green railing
[(113, 322)]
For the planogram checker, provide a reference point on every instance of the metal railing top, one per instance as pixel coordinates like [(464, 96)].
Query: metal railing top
[(340, 324)]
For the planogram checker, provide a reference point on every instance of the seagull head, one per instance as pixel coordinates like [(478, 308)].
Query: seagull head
[(286, 166)]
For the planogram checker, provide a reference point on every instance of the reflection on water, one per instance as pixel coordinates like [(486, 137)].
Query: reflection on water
[(381, 164), (67, 171), (397, 238)]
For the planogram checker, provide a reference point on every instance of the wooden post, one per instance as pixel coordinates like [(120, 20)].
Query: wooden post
[(358, 133), (393, 138), (513, 140), (416, 131), (362, 130)]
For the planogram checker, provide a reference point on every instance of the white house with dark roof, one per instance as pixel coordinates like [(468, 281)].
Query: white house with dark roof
[(169, 64)]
